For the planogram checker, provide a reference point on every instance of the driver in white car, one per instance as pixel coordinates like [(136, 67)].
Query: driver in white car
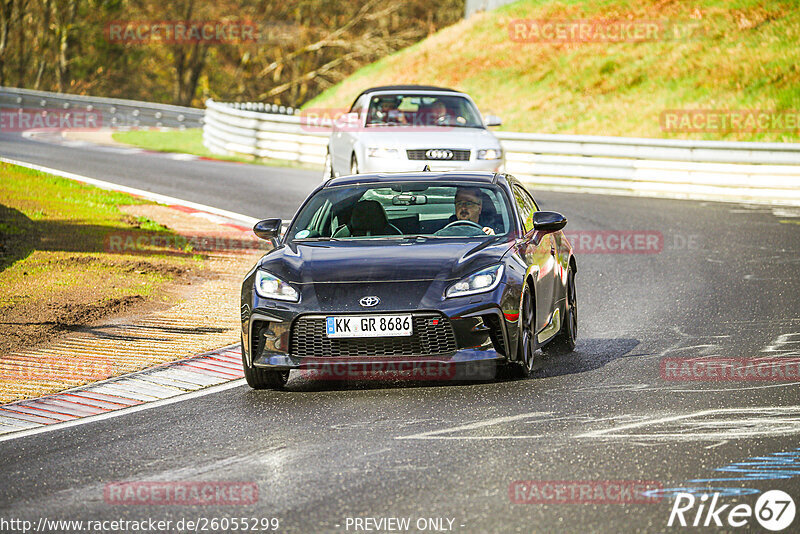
[(469, 204)]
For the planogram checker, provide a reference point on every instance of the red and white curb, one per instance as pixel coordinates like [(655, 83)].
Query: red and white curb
[(172, 382)]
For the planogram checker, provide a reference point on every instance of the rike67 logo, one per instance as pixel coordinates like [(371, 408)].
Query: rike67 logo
[(774, 510)]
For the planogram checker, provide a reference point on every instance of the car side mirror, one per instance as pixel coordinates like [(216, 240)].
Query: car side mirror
[(269, 229), (548, 221), (493, 120)]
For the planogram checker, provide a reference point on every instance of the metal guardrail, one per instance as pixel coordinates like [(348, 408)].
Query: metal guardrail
[(114, 112), (757, 172), (716, 170), (233, 131)]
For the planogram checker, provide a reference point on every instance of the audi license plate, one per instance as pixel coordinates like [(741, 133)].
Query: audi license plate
[(368, 325)]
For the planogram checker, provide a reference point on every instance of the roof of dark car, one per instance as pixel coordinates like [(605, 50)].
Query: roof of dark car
[(416, 176)]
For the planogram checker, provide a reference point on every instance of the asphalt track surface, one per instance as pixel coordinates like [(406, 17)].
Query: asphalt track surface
[(724, 284)]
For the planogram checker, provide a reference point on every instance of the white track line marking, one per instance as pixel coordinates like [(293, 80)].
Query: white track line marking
[(747, 428), (156, 197), (123, 411), (435, 434)]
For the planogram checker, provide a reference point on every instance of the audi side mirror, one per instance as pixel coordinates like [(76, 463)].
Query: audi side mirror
[(548, 221), (493, 120)]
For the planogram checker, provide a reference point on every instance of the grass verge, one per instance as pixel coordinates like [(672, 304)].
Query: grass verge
[(57, 268), (737, 55)]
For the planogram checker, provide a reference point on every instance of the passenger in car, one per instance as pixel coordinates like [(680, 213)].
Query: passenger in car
[(386, 112)]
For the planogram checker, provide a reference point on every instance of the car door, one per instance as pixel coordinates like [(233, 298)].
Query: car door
[(539, 255)]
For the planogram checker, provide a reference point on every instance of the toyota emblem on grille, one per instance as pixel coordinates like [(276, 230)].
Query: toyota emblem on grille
[(436, 153), (369, 302)]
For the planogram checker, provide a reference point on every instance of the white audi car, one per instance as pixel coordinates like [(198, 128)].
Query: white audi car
[(405, 127)]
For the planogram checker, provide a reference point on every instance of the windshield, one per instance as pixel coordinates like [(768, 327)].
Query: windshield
[(422, 110), (403, 210)]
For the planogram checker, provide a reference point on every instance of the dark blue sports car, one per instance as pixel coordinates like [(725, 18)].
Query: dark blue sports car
[(443, 268)]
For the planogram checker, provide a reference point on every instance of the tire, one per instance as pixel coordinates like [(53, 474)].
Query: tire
[(353, 164), (523, 367), (564, 342), (262, 378), (327, 171)]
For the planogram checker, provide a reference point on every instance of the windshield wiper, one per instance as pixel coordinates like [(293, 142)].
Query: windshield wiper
[(316, 239)]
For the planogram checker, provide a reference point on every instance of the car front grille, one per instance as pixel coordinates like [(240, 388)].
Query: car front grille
[(419, 154), (309, 340)]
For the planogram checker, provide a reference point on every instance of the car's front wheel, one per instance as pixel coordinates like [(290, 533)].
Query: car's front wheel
[(564, 342), (263, 378), (523, 367)]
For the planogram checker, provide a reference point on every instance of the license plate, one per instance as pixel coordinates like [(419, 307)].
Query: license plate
[(368, 326)]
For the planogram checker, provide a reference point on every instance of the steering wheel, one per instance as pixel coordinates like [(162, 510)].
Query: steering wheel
[(464, 222)]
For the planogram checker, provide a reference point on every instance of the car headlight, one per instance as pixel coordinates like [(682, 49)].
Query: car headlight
[(490, 153), (271, 287), (479, 282), (380, 152)]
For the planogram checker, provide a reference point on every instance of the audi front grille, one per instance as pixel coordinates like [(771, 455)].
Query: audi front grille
[(420, 154)]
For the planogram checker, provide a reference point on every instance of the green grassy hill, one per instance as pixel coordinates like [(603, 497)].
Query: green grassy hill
[(741, 55)]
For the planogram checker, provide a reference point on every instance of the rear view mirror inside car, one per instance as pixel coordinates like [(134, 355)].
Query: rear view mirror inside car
[(409, 199)]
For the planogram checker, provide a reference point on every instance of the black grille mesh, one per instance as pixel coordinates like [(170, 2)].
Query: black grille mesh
[(308, 340), (458, 155)]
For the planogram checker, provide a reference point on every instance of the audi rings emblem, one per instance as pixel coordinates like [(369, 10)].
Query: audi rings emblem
[(369, 302), (439, 153)]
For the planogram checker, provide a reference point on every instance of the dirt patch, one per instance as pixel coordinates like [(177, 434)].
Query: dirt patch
[(97, 137), (194, 309), (72, 315)]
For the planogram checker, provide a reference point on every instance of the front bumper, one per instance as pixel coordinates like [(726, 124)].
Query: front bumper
[(481, 332)]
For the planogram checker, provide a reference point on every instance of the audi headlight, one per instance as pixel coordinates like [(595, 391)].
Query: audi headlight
[(380, 152), (271, 287), (479, 282), (490, 153)]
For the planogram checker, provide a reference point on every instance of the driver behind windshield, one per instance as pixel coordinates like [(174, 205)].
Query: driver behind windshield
[(469, 205)]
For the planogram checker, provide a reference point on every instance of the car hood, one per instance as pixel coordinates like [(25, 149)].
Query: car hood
[(383, 260), (396, 137)]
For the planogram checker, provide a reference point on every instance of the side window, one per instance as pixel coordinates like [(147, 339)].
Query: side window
[(526, 207)]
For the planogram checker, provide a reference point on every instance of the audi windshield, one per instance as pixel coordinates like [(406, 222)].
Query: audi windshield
[(423, 110)]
